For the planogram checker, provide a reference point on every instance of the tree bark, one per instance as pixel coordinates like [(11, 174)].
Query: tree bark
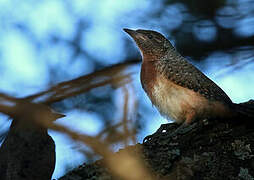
[(213, 149)]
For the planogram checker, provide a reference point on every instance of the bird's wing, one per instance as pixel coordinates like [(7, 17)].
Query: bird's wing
[(186, 75)]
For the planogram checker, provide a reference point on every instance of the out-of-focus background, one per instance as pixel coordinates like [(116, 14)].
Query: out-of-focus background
[(46, 42)]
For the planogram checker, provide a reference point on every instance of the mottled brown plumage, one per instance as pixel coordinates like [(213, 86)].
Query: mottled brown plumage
[(177, 88)]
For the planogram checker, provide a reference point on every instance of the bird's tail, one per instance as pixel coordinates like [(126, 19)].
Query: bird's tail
[(245, 109)]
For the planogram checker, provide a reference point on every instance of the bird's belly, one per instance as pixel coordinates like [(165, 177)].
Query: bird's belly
[(176, 102)]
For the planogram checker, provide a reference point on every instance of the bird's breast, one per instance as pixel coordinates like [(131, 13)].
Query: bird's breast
[(148, 76), (173, 101)]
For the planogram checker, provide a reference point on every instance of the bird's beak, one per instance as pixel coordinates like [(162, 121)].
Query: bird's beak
[(130, 31), (57, 115), (134, 34)]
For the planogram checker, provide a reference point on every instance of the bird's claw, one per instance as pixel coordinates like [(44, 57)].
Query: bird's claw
[(180, 130)]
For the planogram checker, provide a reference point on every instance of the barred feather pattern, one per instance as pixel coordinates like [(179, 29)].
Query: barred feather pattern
[(178, 70)]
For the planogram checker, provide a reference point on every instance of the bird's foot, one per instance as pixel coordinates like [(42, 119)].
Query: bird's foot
[(186, 128), (164, 128), (183, 129), (171, 130)]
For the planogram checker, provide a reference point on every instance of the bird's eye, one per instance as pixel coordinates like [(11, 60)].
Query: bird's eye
[(150, 36)]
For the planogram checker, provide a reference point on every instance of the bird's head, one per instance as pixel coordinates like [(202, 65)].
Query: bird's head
[(152, 44)]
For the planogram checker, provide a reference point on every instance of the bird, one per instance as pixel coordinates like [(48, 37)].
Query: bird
[(28, 151), (179, 90)]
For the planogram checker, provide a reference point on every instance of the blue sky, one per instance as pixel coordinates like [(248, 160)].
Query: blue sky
[(27, 58)]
